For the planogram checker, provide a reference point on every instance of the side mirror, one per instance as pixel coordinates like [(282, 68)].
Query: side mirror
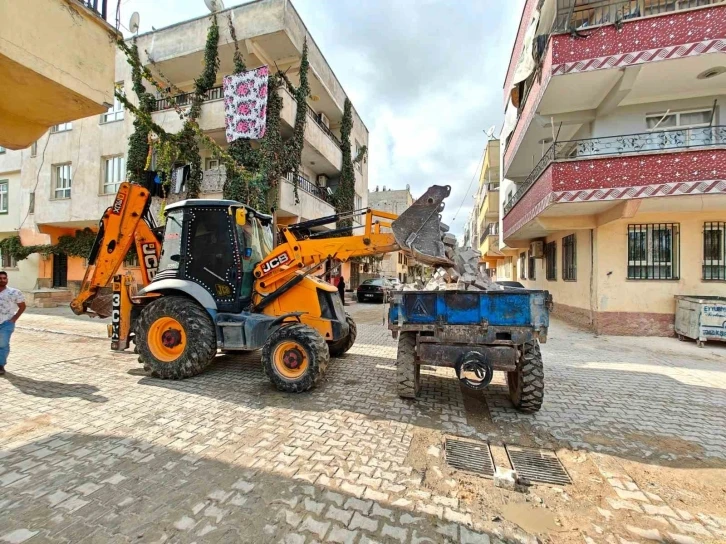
[(241, 216)]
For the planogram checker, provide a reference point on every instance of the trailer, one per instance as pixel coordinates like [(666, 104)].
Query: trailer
[(476, 333)]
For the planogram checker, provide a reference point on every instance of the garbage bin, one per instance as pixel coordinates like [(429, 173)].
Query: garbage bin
[(701, 318)]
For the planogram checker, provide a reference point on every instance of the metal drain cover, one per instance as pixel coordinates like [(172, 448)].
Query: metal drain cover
[(538, 465), (470, 456)]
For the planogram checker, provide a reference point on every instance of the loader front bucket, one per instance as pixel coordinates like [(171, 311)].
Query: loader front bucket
[(419, 231)]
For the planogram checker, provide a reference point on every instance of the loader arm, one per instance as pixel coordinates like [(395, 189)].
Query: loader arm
[(417, 231), (123, 225)]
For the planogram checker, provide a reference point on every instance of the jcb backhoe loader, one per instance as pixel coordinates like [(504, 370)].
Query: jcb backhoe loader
[(212, 279)]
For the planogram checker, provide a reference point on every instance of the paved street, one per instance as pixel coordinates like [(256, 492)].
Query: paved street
[(94, 450)]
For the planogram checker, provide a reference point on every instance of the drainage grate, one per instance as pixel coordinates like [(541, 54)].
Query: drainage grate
[(538, 465), (470, 456)]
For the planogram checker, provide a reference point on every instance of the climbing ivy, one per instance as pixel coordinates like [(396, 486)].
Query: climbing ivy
[(77, 245), (139, 140), (344, 196)]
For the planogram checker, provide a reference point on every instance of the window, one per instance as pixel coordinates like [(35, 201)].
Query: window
[(2, 150), (31, 203), (62, 181), (114, 174), (530, 262), (696, 125), (358, 202), (8, 261), (522, 266), (4, 196), (653, 251), (551, 260), (34, 149), (359, 164), (714, 251), (62, 127), (212, 164), (569, 258), (115, 112)]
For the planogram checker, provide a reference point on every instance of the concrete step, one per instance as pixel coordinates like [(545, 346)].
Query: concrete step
[(47, 298)]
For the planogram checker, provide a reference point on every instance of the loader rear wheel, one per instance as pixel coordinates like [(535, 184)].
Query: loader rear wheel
[(407, 371), (175, 338), (526, 384), (295, 357), (344, 344)]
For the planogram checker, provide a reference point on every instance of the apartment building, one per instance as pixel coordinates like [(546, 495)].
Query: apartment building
[(396, 264), (487, 209), (65, 180), (614, 158)]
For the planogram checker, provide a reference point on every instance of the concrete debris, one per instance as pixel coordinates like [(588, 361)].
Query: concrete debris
[(506, 479), (449, 239), (465, 275)]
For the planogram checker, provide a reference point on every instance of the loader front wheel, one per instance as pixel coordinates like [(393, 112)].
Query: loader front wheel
[(344, 344), (408, 373), (526, 384), (295, 357), (175, 338)]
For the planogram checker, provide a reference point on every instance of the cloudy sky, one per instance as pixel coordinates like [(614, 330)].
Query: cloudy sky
[(426, 77)]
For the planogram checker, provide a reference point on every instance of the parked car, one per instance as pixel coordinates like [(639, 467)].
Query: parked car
[(515, 284), (395, 283), (374, 290)]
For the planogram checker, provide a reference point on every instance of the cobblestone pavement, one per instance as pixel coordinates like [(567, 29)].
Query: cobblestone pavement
[(93, 450)]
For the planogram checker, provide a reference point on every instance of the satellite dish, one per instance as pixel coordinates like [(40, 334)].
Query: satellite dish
[(490, 132), (214, 5), (134, 22)]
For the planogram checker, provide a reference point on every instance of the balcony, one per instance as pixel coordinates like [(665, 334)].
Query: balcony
[(587, 177), (578, 16), (57, 64)]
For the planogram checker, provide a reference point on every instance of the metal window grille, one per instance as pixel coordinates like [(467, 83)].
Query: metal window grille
[(31, 203), (569, 258), (714, 251), (114, 174), (653, 251), (551, 259), (523, 266), (62, 173), (530, 265)]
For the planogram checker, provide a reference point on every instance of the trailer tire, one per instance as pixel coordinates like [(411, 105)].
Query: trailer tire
[(295, 357), (344, 344), (526, 384), (408, 373), (176, 338)]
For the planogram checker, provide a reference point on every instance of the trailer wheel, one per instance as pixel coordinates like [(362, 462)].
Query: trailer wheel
[(408, 372), (175, 338), (344, 344), (526, 384), (295, 357)]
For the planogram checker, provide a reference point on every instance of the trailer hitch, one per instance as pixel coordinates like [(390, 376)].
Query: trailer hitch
[(476, 365)]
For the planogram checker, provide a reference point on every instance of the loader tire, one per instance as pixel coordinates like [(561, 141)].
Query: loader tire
[(344, 344), (408, 373), (526, 384), (295, 358), (176, 338)]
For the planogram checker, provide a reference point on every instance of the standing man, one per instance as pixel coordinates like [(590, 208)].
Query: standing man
[(341, 289), (12, 306)]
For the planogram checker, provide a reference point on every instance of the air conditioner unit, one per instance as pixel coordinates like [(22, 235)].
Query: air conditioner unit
[(537, 249), (322, 180), (324, 120)]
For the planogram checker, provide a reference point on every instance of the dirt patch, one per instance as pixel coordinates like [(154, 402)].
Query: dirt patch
[(27, 426), (530, 518)]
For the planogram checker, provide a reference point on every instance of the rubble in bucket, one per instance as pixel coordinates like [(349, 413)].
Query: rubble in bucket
[(464, 276)]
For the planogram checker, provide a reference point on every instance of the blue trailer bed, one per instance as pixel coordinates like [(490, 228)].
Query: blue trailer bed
[(476, 333)]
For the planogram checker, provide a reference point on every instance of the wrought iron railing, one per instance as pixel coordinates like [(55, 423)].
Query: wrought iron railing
[(572, 14), (492, 229), (99, 6), (309, 187), (318, 121), (644, 142), (185, 99)]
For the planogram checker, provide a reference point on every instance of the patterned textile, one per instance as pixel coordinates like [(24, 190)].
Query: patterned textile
[(9, 300), (245, 103)]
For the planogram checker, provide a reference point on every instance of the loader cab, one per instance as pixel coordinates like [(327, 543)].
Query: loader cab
[(215, 244)]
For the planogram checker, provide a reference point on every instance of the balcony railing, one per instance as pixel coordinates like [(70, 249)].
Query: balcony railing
[(309, 187), (654, 141), (99, 6), (574, 14), (318, 120), (492, 229), (185, 99)]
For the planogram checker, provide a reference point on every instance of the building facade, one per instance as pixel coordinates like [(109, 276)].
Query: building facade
[(488, 210), (614, 159), (65, 180), (396, 264)]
